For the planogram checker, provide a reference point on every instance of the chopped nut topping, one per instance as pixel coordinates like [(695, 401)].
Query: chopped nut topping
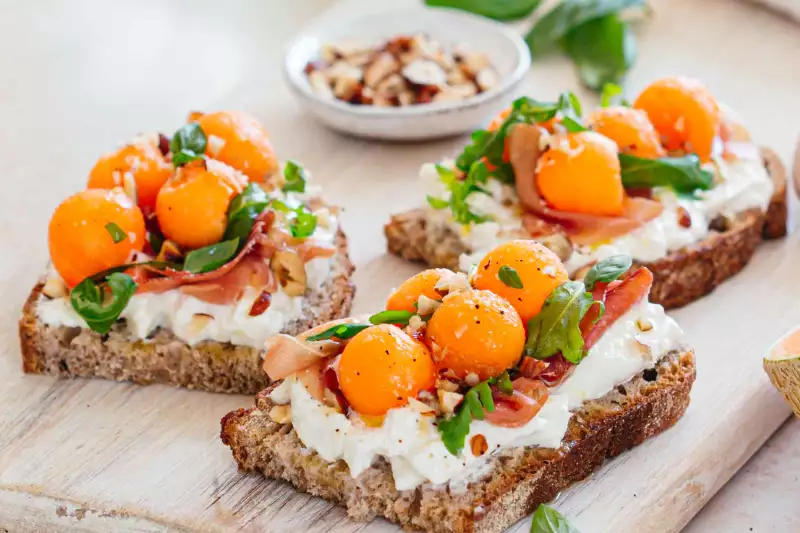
[(446, 385), (448, 401), (472, 379), (400, 72), (281, 414), (54, 288), (644, 325), (291, 272), (426, 306), (419, 407), (478, 445)]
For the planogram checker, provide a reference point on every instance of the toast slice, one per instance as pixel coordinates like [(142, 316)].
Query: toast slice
[(69, 352), (518, 481), (680, 278)]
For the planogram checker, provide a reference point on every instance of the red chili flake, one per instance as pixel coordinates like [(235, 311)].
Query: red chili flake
[(163, 144), (261, 304), (478, 445), (684, 219)]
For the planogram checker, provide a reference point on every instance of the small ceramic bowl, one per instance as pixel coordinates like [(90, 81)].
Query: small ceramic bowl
[(506, 50)]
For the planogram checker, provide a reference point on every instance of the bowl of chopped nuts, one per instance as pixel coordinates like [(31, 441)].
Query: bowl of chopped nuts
[(410, 74)]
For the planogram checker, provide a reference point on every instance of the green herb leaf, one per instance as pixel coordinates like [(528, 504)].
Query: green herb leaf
[(454, 430), (341, 331), (210, 257), (188, 144), (117, 235), (683, 174), (460, 190), (612, 95), (602, 49), (495, 9), (548, 520), (156, 240), (295, 176), (503, 382), (607, 270), (90, 302), (570, 14), (303, 223), (391, 317), (557, 326), (243, 211), (437, 203), (509, 277)]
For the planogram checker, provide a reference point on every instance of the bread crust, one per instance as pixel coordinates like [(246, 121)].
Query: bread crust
[(519, 480), (680, 278), (210, 366)]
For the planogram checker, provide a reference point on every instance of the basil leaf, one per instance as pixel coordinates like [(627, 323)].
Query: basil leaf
[(117, 235), (156, 239), (557, 326), (295, 176), (602, 49), (211, 257), (303, 223), (89, 300), (454, 430), (607, 270), (243, 211), (682, 174), (509, 277), (437, 203), (495, 9), (188, 144), (548, 520), (570, 14), (340, 331), (391, 317), (612, 95)]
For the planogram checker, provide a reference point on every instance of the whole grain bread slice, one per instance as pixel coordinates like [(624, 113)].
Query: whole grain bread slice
[(70, 352), (519, 480), (680, 278)]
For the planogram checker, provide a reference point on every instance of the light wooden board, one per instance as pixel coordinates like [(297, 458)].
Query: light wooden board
[(77, 77)]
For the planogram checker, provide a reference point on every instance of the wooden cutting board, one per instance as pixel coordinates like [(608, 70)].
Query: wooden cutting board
[(94, 456)]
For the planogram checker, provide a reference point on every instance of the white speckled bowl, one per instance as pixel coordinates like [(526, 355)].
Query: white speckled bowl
[(506, 49)]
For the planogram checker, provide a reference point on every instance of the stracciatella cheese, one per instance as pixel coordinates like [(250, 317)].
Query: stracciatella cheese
[(742, 184), (412, 444), (193, 320)]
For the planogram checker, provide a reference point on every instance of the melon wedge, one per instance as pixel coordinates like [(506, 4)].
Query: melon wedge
[(783, 368)]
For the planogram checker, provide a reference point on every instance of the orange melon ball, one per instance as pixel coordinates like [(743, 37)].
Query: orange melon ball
[(240, 141), (685, 114), (476, 332), (192, 207), (143, 161), (539, 270), (580, 172), (630, 128), (421, 284), (82, 242), (382, 367)]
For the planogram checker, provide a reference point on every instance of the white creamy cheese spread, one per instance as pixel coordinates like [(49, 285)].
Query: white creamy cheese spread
[(412, 444), (742, 184), (193, 320)]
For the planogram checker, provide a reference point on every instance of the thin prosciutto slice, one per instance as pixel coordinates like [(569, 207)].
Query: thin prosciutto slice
[(582, 228), (519, 408)]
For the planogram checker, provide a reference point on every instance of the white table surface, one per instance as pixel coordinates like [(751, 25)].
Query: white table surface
[(76, 76)]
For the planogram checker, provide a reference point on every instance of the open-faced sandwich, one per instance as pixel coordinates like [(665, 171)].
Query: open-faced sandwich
[(181, 258), (673, 181), (471, 398)]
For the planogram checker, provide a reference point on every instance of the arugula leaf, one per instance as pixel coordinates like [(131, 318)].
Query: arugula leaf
[(607, 270), (454, 430), (557, 326), (612, 95), (90, 302), (295, 176), (504, 383), (211, 257), (302, 222), (460, 190), (391, 317), (340, 331), (602, 49), (683, 174), (495, 9), (570, 14), (509, 277), (188, 144), (117, 235), (548, 520)]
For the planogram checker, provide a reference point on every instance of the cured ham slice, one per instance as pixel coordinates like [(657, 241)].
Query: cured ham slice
[(585, 229), (519, 408)]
